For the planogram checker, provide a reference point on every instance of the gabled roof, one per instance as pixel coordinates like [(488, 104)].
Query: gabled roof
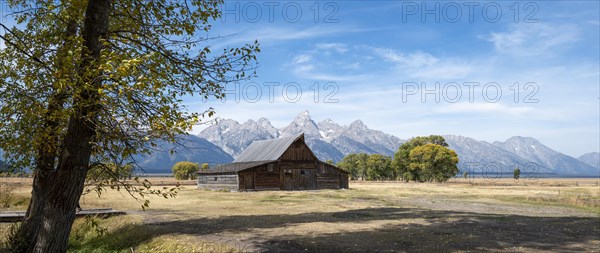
[(267, 150), (232, 167)]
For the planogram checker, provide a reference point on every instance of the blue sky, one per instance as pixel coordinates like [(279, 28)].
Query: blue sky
[(375, 59)]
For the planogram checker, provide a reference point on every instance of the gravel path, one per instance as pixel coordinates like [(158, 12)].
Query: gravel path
[(484, 206)]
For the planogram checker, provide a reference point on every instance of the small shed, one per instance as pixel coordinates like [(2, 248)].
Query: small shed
[(278, 164)]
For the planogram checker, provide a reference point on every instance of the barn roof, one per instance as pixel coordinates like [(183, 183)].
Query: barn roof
[(267, 150), (233, 167)]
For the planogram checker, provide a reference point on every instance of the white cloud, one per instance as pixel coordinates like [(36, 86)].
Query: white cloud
[(302, 58), (416, 59), (424, 65), (273, 34), (338, 47), (305, 66), (533, 38)]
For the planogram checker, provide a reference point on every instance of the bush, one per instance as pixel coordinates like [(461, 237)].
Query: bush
[(16, 239), (185, 170), (6, 196)]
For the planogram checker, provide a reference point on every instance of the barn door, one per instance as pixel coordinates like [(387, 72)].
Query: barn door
[(249, 181), (288, 180), (306, 180), (310, 179)]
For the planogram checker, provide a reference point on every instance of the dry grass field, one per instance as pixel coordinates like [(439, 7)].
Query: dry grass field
[(539, 215)]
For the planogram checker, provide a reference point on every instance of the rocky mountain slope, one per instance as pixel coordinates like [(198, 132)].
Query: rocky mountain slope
[(592, 159), (532, 150), (192, 148), (483, 157), (330, 140), (221, 142), (327, 139)]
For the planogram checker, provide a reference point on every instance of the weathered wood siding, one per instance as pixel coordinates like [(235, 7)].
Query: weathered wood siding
[(298, 175), (218, 181), (289, 175), (299, 179), (328, 176), (344, 180), (296, 169), (265, 177), (298, 151), (246, 181)]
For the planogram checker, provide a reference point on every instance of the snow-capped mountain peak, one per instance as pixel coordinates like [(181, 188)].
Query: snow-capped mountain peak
[(266, 124), (302, 123), (330, 130), (532, 150), (328, 139), (358, 125)]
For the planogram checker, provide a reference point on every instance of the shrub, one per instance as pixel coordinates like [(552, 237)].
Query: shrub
[(16, 239), (6, 196), (517, 173), (185, 170)]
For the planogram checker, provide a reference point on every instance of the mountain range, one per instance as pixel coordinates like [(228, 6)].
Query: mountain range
[(188, 148), (331, 141), (592, 158), (227, 139), (328, 140)]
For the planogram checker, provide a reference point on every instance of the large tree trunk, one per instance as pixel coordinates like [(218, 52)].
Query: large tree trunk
[(66, 186), (44, 172), (46, 157), (33, 217)]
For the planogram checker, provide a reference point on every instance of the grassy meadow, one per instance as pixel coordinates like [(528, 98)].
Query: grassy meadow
[(539, 215)]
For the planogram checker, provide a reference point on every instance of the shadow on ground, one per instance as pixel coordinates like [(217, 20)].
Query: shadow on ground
[(408, 229)]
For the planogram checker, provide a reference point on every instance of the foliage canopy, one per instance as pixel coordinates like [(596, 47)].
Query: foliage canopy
[(424, 158), (185, 170), (87, 82)]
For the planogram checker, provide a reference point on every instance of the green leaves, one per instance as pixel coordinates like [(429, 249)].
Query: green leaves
[(370, 167), (432, 162), (379, 167), (185, 170), (401, 157), (153, 54)]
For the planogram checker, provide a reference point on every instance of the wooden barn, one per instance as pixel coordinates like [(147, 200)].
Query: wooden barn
[(278, 164)]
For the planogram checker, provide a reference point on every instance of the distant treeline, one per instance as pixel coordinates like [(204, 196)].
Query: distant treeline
[(422, 159), (13, 174)]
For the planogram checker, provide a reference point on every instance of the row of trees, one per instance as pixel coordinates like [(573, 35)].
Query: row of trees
[(187, 170), (419, 159), (368, 167)]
